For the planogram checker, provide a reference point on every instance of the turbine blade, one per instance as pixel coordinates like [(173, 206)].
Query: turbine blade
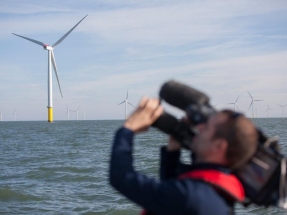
[(55, 70), (121, 102), (250, 105), (236, 107), (63, 37), (131, 104), (237, 99), (250, 95), (258, 100), (127, 94), (34, 41)]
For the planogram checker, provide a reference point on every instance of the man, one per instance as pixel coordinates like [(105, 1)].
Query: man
[(206, 187)]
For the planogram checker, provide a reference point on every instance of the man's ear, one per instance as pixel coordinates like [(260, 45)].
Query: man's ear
[(221, 145)]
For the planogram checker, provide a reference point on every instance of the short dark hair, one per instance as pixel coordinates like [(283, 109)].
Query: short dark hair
[(241, 135)]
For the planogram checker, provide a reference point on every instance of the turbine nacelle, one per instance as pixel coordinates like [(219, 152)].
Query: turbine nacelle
[(48, 47)]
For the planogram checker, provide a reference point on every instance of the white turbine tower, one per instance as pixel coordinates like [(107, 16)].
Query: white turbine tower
[(251, 104), (268, 109), (282, 106), (51, 59), (126, 102), (234, 104)]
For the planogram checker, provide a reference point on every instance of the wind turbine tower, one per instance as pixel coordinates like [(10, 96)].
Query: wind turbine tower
[(282, 109), (234, 104), (268, 110), (51, 60), (126, 102), (251, 104)]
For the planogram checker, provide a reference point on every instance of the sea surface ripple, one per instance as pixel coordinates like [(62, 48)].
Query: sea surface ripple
[(62, 167)]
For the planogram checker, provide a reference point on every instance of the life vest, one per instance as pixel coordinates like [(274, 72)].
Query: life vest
[(224, 183)]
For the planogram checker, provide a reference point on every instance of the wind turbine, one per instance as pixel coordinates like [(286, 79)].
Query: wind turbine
[(15, 115), (126, 102), (51, 60), (77, 111), (84, 114), (234, 103), (282, 109), (251, 104), (1, 113), (68, 113), (268, 109)]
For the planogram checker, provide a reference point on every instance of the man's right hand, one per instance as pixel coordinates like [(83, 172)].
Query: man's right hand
[(145, 115)]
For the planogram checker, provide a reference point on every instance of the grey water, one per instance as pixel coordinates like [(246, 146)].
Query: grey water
[(62, 167)]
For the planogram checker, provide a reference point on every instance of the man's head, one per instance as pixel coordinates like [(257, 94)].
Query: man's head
[(227, 138)]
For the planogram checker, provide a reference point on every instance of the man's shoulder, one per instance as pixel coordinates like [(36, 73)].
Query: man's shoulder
[(204, 197)]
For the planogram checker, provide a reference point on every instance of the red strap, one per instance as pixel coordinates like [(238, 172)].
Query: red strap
[(226, 182)]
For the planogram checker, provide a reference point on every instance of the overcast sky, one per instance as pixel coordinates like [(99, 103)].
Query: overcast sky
[(223, 48)]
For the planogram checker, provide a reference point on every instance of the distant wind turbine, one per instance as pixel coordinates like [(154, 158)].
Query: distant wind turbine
[(126, 102), (68, 112), (268, 110), (77, 111), (84, 114), (251, 104), (282, 109), (234, 104), (15, 115), (1, 114), (51, 59)]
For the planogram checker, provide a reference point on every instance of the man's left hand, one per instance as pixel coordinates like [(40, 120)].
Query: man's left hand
[(145, 115)]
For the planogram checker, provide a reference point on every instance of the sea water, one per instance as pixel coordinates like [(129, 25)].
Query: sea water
[(62, 167)]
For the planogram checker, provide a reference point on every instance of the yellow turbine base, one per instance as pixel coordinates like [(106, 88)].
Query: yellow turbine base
[(50, 114)]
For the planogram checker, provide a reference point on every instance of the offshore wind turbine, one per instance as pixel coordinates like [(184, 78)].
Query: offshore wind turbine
[(126, 102), (51, 60), (15, 115), (251, 104), (1, 114), (282, 109), (68, 113), (77, 111), (234, 103), (84, 114), (268, 110)]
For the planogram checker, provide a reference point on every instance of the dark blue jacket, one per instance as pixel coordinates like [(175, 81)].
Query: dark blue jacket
[(169, 195)]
